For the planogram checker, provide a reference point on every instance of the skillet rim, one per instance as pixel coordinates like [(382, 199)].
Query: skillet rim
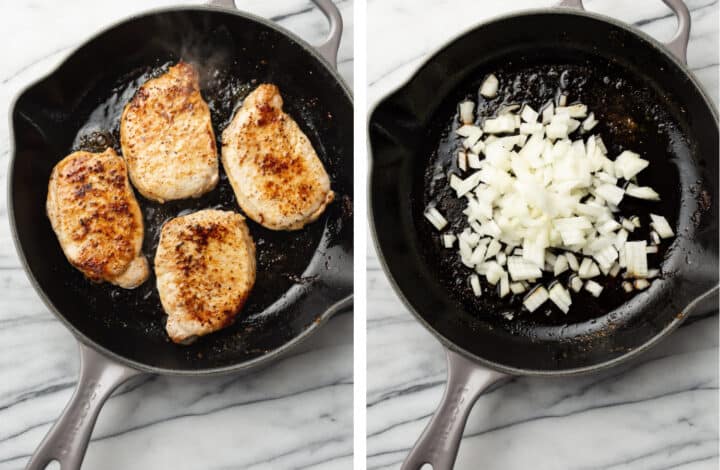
[(240, 367), (446, 342)]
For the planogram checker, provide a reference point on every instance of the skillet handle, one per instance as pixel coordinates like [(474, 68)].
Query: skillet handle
[(331, 45), (67, 440), (439, 443), (679, 43)]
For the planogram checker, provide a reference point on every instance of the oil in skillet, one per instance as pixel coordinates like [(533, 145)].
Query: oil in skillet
[(281, 257), (626, 122)]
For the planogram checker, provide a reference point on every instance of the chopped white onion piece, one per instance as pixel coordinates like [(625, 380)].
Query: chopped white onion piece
[(473, 160), (610, 193), (651, 249), (641, 284), (627, 286), (642, 192), (490, 86), (475, 284), (500, 125), (436, 218), (590, 122), (556, 131), (449, 240), (575, 283), (562, 100), (468, 130), (615, 269), (560, 297), (636, 259), (501, 258), (608, 227), (536, 298), (606, 257), (628, 225), (522, 270), (654, 238), (620, 240), (572, 261), (478, 254), (588, 269), (517, 287), (462, 161), (528, 114), (493, 249), (504, 285), (574, 111), (493, 272), (661, 226), (531, 128), (594, 288), (628, 164), (466, 112), (561, 265)]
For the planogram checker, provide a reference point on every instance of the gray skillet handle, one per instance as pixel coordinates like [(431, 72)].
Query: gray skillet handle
[(330, 46), (67, 440), (439, 443), (678, 44)]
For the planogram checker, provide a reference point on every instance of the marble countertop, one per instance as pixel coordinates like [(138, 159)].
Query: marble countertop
[(657, 412), (295, 414)]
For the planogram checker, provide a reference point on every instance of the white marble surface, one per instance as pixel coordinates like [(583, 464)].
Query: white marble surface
[(658, 412), (296, 414)]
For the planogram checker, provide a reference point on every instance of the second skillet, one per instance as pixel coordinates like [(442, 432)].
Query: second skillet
[(304, 277), (677, 130)]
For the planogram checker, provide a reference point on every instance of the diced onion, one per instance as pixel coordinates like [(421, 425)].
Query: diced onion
[(522, 270), (641, 284), (449, 240), (475, 285), (435, 218), (628, 164), (560, 297), (560, 266), (661, 226), (466, 112), (504, 285), (575, 283), (572, 261), (627, 286), (642, 192), (490, 86), (528, 114), (636, 259), (536, 298), (537, 198), (594, 288)]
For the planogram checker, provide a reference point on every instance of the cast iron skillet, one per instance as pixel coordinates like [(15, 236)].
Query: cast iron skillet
[(646, 99), (304, 277)]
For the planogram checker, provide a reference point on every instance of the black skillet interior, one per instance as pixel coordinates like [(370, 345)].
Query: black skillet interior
[(300, 274), (645, 102)]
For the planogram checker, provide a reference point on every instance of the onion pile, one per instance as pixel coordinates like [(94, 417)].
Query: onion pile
[(542, 201)]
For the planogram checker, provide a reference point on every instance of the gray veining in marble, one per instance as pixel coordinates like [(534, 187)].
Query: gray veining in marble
[(295, 414), (657, 412)]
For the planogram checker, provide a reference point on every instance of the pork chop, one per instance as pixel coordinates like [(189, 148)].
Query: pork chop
[(278, 179), (97, 220), (205, 268), (167, 137)]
